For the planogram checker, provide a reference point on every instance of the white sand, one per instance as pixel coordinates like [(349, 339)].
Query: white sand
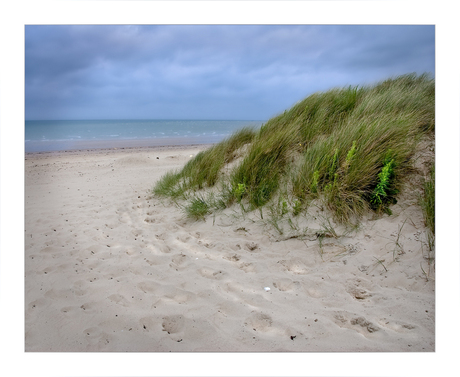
[(109, 268)]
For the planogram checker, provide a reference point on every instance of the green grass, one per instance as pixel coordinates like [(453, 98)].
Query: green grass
[(197, 209), (427, 203), (203, 170), (348, 147), (263, 168)]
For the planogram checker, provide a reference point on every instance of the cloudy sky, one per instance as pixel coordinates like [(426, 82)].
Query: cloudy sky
[(207, 71)]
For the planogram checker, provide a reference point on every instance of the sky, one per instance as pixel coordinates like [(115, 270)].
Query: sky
[(244, 72)]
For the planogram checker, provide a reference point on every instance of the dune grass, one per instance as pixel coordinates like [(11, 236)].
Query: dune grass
[(349, 147), (427, 202), (263, 168), (203, 170)]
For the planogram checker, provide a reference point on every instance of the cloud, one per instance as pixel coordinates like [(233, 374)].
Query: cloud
[(207, 71)]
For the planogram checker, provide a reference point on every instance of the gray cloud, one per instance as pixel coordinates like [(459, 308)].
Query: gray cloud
[(207, 71)]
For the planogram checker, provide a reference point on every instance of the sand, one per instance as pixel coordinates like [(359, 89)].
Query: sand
[(108, 267)]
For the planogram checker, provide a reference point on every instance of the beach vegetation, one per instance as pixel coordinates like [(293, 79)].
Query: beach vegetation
[(427, 202), (197, 209), (296, 207), (383, 191), (239, 191), (170, 186), (350, 148)]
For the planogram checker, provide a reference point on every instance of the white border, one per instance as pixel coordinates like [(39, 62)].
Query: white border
[(15, 14)]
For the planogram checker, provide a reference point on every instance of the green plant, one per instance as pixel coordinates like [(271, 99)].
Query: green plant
[(427, 201), (399, 247), (284, 207), (383, 188), (429, 257), (169, 186), (380, 261), (262, 169), (239, 191), (203, 170), (297, 207), (351, 153), (197, 209), (277, 210), (328, 228), (314, 184), (334, 165), (320, 242)]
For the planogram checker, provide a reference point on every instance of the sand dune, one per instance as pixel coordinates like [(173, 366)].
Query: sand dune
[(109, 268)]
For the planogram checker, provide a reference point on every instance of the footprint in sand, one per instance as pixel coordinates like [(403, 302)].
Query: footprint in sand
[(247, 267), (149, 287), (58, 294), (259, 321), (166, 293), (211, 274), (286, 285), (400, 327), (154, 261), (295, 266), (137, 233), (356, 290), (48, 270), (148, 323), (38, 304), (96, 338), (126, 218), (253, 247), (49, 250), (363, 322), (178, 260), (164, 248), (80, 288), (173, 324), (233, 257), (358, 293), (177, 295), (315, 292), (69, 309), (355, 322), (88, 308), (184, 238), (119, 299)]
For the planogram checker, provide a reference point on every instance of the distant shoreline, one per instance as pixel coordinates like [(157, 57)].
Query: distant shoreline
[(41, 147), (112, 149)]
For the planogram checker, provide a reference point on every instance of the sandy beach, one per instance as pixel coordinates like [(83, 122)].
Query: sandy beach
[(108, 267)]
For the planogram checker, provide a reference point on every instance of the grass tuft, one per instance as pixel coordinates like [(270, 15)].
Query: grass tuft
[(427, 202), (197, 209)]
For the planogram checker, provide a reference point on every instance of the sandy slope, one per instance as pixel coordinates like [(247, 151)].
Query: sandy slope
[(109, 268)]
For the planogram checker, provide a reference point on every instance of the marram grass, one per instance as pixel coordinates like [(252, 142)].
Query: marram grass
[(428, 201), (349, 147)]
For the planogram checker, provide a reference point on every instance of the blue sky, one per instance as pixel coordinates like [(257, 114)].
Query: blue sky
[(208, 71)]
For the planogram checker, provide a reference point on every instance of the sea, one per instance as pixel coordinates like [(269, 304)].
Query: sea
[(61, 135)]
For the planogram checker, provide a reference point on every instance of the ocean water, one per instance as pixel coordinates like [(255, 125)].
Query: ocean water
[(56, 135)]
